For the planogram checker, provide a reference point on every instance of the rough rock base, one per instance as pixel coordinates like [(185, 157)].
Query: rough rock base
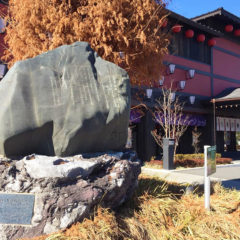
[(67, 189)]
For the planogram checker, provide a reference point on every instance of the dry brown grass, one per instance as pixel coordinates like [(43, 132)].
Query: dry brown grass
[(162, 211)]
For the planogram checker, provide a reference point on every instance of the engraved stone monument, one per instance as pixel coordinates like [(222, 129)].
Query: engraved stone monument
[(64, 102), (72, 108)]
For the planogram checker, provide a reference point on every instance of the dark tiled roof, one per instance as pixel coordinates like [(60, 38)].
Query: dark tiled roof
[(5, 2), (219, 11), (195, 24)]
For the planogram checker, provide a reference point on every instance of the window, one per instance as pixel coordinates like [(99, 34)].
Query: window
[(190, 48)]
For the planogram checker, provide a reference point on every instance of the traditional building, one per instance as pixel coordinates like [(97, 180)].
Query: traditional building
[(203, 64), (3, 13)]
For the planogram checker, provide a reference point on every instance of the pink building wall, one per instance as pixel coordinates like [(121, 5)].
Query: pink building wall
[(226, 64), (3, 12), (199, 85), (210, 79)]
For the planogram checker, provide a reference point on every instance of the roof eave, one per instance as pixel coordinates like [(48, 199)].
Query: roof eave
[(207, 15), (195, 24), (214, 100), (219, 11), (231, 16), (5, 2)]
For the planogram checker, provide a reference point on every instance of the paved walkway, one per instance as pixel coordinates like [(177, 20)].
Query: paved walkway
[(228, 175)]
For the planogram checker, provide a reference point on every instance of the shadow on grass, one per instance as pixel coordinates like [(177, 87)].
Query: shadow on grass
[(231, 184), (149, 187)]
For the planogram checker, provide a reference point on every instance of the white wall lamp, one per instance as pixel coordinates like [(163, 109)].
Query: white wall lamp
[(2, 25), (192, 99), (171, 68), (161, 81), (172, 96), (122, 55), (3, 69), (182, 84), (149, 92), (191, 73)]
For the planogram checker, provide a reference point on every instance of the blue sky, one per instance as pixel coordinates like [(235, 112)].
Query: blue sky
[(192, 8)]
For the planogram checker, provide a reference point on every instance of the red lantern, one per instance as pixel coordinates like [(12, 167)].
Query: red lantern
[(164, 24), (176, 28), (228, 28), (201, 38), (189, 33), (237, 32), (211, 42)]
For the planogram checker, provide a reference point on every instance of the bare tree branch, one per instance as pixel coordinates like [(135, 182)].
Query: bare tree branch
[(169, 115)]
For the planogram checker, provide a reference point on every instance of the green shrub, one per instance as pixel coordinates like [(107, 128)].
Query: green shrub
[(193, 156), (183, 161), (191, 162)]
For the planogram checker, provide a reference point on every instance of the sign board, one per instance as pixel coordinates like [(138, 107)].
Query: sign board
[(211, 160), (233, 125), (16, 208), (227, 124), (237, 125), (222, 124), (218, 124), (209, 168)]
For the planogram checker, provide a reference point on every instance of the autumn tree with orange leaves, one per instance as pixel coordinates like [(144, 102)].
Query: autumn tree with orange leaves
[(125, 32)]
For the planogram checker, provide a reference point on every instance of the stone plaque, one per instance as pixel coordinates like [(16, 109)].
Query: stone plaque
[(16, 208)]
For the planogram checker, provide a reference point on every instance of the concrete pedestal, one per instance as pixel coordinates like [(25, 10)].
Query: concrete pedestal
[(168, 153)]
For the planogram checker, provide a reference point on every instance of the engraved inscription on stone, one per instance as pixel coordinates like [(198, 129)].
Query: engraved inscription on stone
[(86, 89), (16, 208), (110, 88)]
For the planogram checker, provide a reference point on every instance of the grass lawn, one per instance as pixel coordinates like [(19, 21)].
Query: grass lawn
[(160, 210)]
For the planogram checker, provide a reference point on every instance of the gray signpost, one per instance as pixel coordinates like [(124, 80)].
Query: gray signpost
[(209, 169), (168, 153)]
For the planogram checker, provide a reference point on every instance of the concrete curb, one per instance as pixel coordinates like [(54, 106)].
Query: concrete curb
[(177, 177)]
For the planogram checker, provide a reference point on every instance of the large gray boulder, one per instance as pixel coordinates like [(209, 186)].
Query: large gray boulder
[(65, 190), (64, 102)]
